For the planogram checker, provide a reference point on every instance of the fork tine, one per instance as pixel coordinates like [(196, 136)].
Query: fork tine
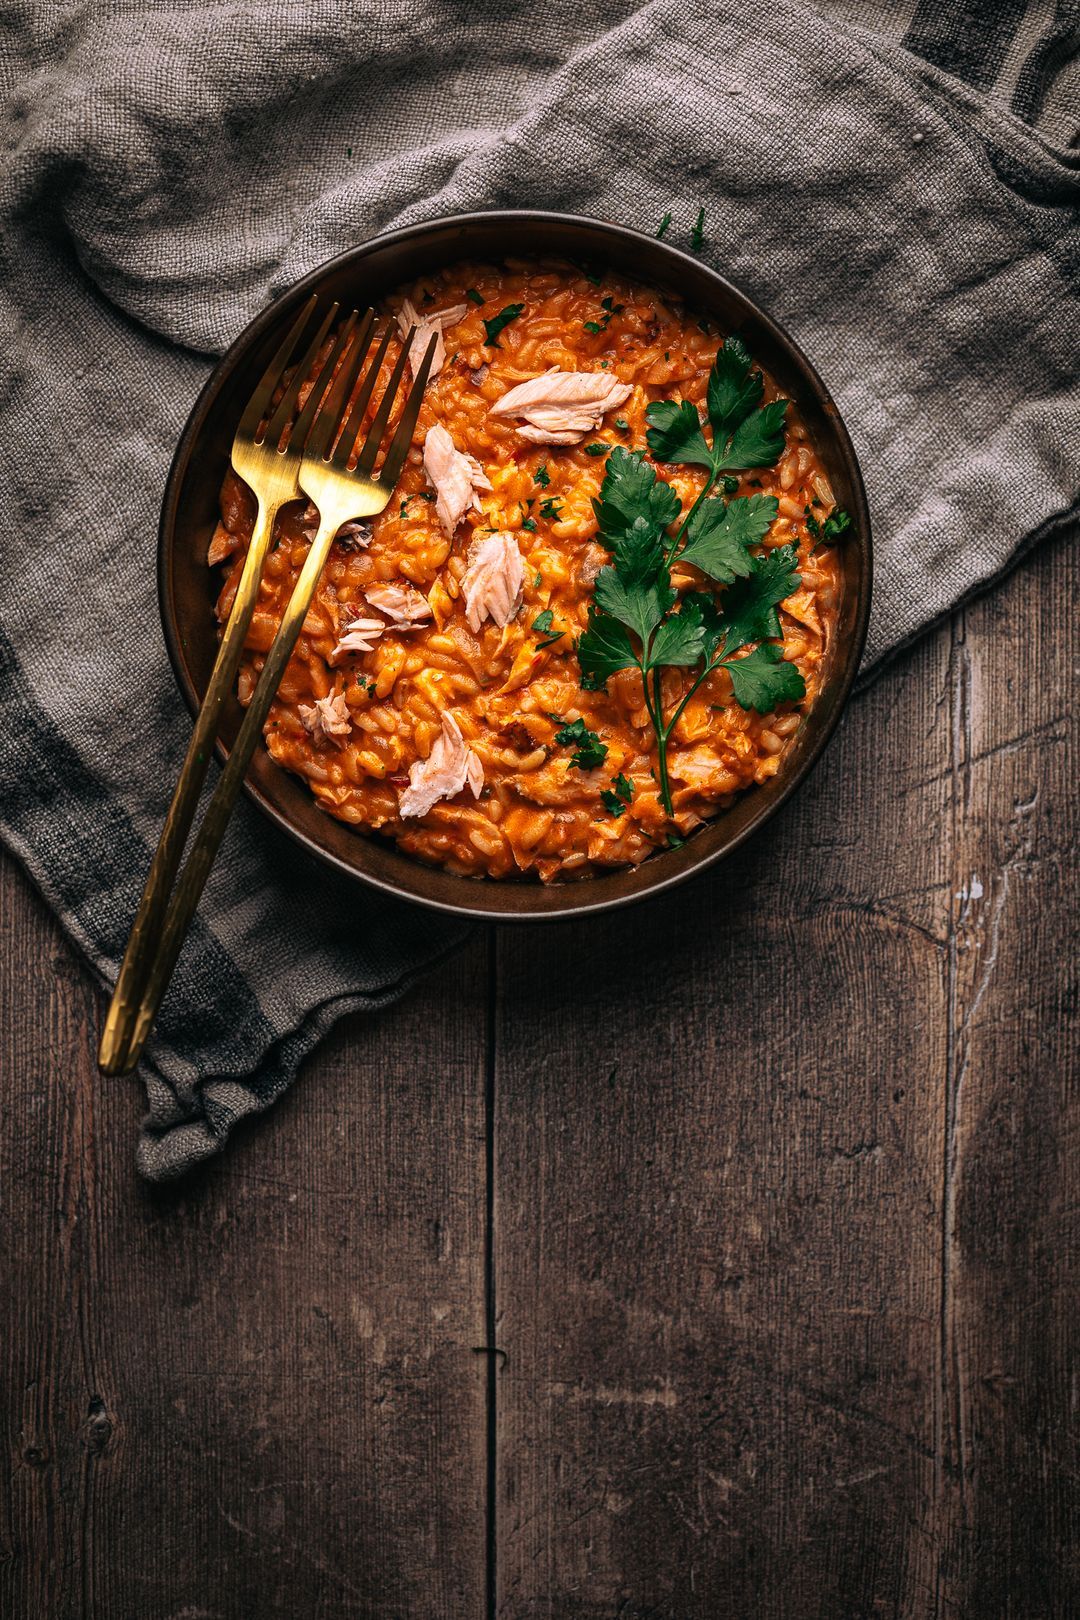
[(321, 414), (287, 404), (332, 411), (394, 459), (347, 439), (366, 459), (264, 390)]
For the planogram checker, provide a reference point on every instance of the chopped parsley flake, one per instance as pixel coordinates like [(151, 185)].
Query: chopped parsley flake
[(589, 751), (473, 296), (590, 275), (664, 223), (616, 798), (551, 508), (530, 524), (540, 476), (597, 449), (593, 326), (697, 235), (497, 322)]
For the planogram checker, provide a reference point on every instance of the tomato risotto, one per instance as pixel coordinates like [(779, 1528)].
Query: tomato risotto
[(598, 606)]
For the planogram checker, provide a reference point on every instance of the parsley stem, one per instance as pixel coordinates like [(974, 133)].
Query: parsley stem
[(663, 732), (685, 524), (661, 739), (705, 673)]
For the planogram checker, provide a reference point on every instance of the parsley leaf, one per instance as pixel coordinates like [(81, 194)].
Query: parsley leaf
[(638, 602), (681, 639), (836, 524), (603, 649), (743, 435), (675, 434), (750, 604), (631, 490), (622, 424), (540, 476), (719, 532), (759, 441), (497, 322), (597, 449), (734, 390), (764, 678), (589, 751), (543, 621)]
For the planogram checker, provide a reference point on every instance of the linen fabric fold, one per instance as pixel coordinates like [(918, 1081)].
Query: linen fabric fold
[(864, 175)]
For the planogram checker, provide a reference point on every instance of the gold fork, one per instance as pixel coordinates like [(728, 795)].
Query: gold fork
[(271, 472), (342, 494)]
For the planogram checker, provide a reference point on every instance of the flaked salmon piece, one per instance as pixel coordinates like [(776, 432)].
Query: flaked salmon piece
[(493, 581), (562, 406), (803, 608), (403, 604), (327, 718), (697, 767), (360, 636), (448, 770), (455, 478), (435, 321), (223, 544)]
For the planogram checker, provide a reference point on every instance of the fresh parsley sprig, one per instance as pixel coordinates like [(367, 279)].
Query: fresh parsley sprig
[(632, 623), (745, 433)]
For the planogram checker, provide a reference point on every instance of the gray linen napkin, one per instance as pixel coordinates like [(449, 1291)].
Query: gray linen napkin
[(170, 169)]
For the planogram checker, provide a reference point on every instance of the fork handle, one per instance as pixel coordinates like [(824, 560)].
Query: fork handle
[(185, 896), (138, 956)]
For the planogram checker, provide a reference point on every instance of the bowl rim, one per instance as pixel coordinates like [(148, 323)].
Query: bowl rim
[(579, 901)]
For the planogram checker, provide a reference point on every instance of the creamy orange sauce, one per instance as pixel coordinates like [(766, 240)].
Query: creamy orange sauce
[(536, 814)]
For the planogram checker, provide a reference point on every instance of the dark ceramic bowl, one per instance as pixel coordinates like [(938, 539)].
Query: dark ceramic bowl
[(187, 589)]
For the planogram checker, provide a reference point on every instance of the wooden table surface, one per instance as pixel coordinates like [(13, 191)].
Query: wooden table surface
[(765, 1193)]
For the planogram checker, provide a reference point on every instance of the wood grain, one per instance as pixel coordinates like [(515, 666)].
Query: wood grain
[(784, 1254), (244, 1396), (766, 1194)]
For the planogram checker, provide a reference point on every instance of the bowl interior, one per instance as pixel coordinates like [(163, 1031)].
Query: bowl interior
[(190, 511)]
